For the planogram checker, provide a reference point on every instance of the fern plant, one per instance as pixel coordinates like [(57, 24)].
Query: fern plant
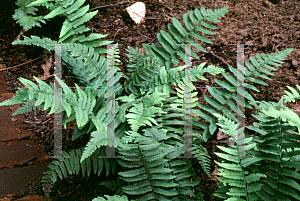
[(149, 143)]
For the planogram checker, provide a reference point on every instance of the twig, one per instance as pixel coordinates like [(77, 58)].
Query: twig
[(202, 55), (152, 18), (97, 8), (274, 48), (279, 82), (144, 35), (21, 64), (199, 3), (95, 30), (164, 5), (224, 62), (120, 30), (46, 121), (152, 41), (18, 133)]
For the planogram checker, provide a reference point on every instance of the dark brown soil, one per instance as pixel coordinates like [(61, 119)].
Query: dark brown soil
[(270, 26)]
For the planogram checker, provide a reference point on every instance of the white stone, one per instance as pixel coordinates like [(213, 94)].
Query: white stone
[(137, 12)]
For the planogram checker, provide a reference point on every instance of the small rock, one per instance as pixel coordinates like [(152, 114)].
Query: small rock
[(243, 32), (14, 119), (294, 62)]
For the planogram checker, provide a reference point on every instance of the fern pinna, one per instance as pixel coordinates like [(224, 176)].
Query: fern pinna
[(148, 141)]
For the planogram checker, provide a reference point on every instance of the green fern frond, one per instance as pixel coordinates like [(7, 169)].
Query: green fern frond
[(177, 105), (25, 15), (143, 70), (42, 94), (35, 40), (27, 107), (285, 114), (143, 113), (278, 110), (81, 103), (167, 41), (146, 74), (155, 176), (114, 54), (199, 71), (98, 139), (85, 63), (113, 185), (69, 163), (20, 96), (272, 158), (221, 98), (149, 155), (91, 68), (239, 181), (73, 28), (276, 139), (168, 55), (203, 157), (291, 96)]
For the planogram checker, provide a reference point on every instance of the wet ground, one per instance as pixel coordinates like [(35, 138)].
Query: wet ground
[(270, 26)]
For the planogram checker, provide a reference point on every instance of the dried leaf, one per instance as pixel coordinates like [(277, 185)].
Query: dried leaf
[(46, 68)]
